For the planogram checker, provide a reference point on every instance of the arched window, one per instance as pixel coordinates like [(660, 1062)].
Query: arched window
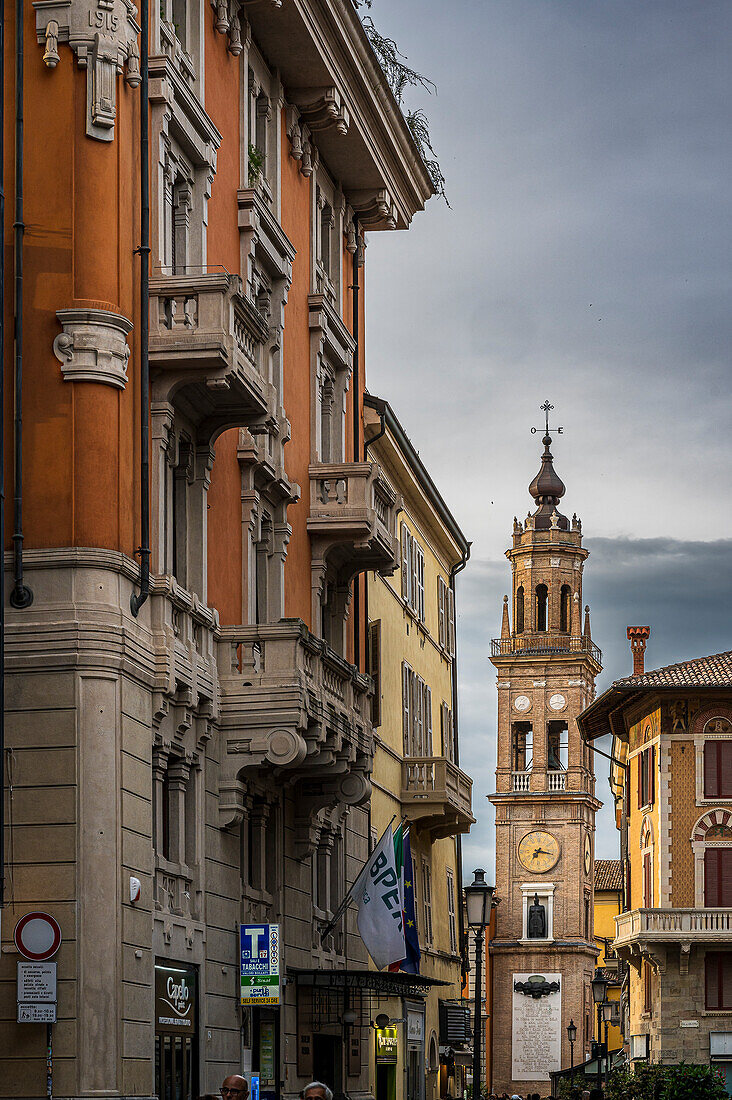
[(646, 844), (565, 605), (519, 617), (542, 600), (711, 842)]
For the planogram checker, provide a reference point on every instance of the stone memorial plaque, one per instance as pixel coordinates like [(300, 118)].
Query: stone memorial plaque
[(536, 1038)]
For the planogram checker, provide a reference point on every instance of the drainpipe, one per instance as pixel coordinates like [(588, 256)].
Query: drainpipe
[(2, 462), (138, 599), (21, 596), (456, 744), (367, 444), (355, 288)]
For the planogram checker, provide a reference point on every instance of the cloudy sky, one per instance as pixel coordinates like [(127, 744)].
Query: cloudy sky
[(587, 146)]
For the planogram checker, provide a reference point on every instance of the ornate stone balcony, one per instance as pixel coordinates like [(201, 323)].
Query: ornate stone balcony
[(290, 705), (352, 519), (640, 929), (436, 795), (205, 339)]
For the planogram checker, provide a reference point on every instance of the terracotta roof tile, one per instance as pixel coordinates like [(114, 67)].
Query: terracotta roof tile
[(714, 671), (608, 874)]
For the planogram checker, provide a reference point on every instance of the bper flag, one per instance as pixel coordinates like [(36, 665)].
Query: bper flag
[(378, 895)]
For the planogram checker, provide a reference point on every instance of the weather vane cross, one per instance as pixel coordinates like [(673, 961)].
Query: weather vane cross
[(546, 408)]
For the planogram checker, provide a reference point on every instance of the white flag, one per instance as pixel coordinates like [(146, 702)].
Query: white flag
[(378, 895)]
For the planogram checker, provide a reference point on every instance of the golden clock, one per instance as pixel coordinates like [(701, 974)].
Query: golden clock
[(538, 851)]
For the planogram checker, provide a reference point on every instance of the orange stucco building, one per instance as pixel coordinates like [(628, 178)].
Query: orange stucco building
[(209, 735)]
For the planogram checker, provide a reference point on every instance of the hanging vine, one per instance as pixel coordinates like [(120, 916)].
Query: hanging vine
[(400, 77)]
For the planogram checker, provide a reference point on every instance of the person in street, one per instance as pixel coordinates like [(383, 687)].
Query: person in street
[(316, 1090), (235, 1087)]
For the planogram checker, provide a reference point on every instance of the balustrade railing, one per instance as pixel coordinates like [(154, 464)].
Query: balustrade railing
[(544, 644), (673, 924)]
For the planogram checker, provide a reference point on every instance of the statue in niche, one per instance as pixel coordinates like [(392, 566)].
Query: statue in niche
[(537, 920)]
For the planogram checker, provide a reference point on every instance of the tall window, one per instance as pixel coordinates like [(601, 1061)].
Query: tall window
[(542, 601), (718, 769), (519, 624), (446, 617), (718, 980), (647, 987), (412, 570), (416, 713), (646, 777), (565, 604), (522, 748), (427, 901), (718, 877), (448, 732), (557, 746), (452, 925), (375, 670), (648, 880)]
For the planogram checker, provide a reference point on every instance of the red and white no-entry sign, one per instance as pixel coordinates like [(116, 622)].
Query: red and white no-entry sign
[(37, 936)]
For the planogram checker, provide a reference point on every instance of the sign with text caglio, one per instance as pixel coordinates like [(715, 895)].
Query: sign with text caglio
[(260, 964)]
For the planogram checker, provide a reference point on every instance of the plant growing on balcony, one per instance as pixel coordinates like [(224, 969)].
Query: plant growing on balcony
[(256, 164), (400, 77)]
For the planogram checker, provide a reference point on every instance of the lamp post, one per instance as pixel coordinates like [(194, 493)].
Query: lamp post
[(599, 989), (572, 1038), (478, 899), (607, 1012)]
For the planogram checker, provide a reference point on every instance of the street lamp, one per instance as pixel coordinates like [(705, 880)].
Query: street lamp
[(599, 989), (572, 1037), (478, 899)]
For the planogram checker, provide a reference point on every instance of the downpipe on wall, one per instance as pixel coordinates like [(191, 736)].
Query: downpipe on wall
[(137, 599), (456, 743)]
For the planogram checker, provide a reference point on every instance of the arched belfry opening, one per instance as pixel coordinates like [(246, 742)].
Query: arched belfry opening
[(519, 616), (542, 607), (565, 608)]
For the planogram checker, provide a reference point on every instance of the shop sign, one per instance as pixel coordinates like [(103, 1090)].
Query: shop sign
[(387, 1046), (260, 964), (175, 1001), (415, 1027)]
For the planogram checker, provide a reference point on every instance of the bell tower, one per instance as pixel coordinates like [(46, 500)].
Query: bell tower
[(543, 952)]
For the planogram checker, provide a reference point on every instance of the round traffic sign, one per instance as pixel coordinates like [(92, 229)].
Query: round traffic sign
[(37, 936)]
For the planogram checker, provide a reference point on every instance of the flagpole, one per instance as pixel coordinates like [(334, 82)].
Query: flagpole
[(344, 904)]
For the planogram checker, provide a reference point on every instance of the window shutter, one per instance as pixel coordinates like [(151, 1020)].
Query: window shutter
[(725, 769), (711, 980), (405, 563), (725, 877), (406, 710), (652, 775), (412, 573), (375, 670), (711, 774), (427, 721), (725, 965), (647, 881), (639, 762), (420, 583), (418, 716), (451, 622), (711, 877), (441, 609)]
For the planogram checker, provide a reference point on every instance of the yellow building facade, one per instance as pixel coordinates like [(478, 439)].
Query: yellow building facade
[(608, 904), (672, 780), (420, 1054)]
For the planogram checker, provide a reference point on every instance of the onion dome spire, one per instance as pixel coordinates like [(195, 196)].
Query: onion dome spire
[(547, 487)]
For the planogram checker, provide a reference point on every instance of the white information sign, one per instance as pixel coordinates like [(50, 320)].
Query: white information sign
[(536, 1039), (37, 1014), (36, 982)]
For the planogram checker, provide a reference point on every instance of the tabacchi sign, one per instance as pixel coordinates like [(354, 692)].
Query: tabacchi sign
[(260, 964), (175, 1001)]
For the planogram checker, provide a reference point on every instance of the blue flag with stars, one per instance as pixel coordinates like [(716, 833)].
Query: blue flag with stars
[(411, 940)]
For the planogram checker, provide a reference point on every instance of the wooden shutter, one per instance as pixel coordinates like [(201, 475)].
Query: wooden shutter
[(375, 670), (441, 613), (724, 749), (420, 583), (647, 881), (406, 709), (639, 762), (714, 974), (712, 883), (427, 695), (725, 877), (652, 775), (451, 622), (647, 987), (418, 716), (725, 966), (711, 772)]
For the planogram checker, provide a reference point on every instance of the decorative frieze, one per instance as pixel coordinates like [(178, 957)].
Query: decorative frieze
[(103, 35), (93, 346)]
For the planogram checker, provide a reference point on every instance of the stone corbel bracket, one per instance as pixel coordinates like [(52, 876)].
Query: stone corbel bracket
[(93, 346), (321, 108), (375, 209), (103, 35)]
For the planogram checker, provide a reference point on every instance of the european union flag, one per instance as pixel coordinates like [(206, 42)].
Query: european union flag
[(411, 940)]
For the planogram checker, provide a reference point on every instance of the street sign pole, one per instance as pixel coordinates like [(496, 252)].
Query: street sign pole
[(49, 1061)]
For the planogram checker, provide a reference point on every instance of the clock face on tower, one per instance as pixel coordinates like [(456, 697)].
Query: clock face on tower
[(538, 851), (588, 854)]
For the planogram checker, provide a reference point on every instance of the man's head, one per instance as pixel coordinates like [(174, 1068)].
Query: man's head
[(316, 1090), (235, 1088)]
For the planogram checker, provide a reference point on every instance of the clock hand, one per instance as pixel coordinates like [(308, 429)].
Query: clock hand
[(540, 852)]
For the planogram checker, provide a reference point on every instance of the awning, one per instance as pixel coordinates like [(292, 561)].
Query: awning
[(377, 982)]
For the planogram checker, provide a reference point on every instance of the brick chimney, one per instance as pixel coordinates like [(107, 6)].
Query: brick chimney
[(638, 636)]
